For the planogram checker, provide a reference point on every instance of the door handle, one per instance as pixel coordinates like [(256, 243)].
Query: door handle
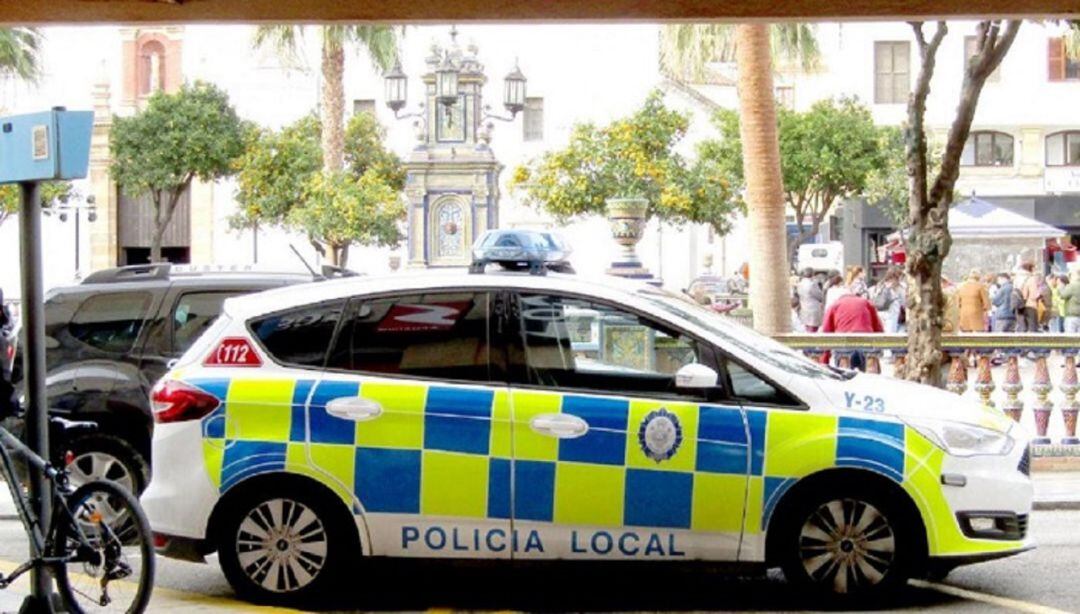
[(356, 409), (562, 426)]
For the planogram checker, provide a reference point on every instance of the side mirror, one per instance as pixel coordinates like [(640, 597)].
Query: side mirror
[(695, 375)]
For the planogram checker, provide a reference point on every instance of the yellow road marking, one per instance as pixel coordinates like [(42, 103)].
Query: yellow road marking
[(1001, 602), (173, 598)]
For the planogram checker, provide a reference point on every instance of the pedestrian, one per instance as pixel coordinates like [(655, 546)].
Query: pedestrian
[(851, 313), (1032, 291), (973, 303), (1071, 294), (887, 297), (834, 289), (1006, 303), (1021, 276), (1057, 303), (856, 281), (811, 297), (8, 403)]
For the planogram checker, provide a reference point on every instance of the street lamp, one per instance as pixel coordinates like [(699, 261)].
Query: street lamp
[(397, 88), (514, 91), (446, 81), (63, 210)]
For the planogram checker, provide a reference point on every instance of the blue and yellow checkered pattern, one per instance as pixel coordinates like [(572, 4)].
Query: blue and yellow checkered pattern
[(468, 452)]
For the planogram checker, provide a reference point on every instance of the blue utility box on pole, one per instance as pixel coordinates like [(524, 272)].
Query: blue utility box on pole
[(45, 146)]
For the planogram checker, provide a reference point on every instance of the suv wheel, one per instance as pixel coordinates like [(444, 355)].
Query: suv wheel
[(108, 457), (854, 544), (285, 545)]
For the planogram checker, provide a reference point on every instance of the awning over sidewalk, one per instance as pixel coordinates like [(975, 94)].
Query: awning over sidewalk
[(976, 218)]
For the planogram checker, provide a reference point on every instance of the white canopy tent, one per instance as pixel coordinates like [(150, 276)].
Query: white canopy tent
[(993, 239)]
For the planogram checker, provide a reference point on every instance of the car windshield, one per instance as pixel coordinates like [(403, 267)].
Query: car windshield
[(737, 336)]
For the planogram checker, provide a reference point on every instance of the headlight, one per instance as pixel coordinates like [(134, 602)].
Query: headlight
[(963, 439)]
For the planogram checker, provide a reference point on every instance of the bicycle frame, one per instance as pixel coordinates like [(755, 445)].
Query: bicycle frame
[(40, 537)]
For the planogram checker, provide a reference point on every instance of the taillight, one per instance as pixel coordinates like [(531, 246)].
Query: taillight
[(174, 401)]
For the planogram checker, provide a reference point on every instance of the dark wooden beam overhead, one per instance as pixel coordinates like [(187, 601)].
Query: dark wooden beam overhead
[(172, 11)]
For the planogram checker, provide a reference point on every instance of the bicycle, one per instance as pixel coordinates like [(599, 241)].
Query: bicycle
[(97, 543)]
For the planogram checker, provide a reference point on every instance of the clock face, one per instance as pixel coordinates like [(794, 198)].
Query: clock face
[(450, 122)]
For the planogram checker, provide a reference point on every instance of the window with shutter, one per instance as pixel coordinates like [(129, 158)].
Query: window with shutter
[(1056, 58), (892, 72)]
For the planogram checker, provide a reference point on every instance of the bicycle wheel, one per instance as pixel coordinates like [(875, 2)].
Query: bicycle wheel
[(107, 544)]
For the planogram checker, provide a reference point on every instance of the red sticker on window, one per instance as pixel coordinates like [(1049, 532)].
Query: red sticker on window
[(428, 316), (233, 352)]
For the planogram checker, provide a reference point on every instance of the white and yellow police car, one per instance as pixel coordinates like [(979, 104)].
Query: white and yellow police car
[(524, 417)]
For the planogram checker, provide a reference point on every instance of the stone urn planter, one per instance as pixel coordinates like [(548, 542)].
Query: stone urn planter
[(627, 219)]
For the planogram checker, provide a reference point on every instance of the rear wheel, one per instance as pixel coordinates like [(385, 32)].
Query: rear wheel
[(856, 543), (286, 545), (106, 457), (107, 545)]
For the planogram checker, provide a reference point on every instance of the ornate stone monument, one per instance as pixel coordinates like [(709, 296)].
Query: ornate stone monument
[(452, 180)]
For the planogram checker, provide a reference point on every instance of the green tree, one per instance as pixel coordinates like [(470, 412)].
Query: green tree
[(341, 210), (827, 154), (20, 53), (194, 132), (888, 187), (281, 173), (632, 157), (52, 192), (380, 43)]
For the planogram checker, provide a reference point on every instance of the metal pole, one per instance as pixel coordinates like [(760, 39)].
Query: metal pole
[(37, 426), (77, 212)]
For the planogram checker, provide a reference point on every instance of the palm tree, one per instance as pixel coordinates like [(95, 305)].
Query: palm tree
[(20, 50), (685, 50), (380, 43)]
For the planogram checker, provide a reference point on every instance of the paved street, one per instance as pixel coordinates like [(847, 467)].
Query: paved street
[(1040, 581)]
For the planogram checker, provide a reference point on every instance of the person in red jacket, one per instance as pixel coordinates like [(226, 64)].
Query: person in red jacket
[(851, 314)]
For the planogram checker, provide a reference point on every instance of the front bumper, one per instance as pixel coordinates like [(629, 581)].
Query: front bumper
[(989, 501)]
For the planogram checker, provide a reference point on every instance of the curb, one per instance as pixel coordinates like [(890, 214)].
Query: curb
[(1056, 505)]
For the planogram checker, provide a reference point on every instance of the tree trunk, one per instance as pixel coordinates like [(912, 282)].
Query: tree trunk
[(343, 258), (928, 206), (333, 254), (332, 110), (769, 283), (155, 243)]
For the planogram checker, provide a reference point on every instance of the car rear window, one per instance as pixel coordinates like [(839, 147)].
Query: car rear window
[(299, 336)]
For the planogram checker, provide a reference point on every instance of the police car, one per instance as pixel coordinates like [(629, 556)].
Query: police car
[(528, 417)]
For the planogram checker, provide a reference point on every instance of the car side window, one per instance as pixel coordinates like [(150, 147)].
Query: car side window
[(575, 343), (300, 336), (747, 386), (192, 315), (437, 335), (111, 322)]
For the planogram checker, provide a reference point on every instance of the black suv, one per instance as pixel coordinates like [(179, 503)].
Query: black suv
[(111, 337)]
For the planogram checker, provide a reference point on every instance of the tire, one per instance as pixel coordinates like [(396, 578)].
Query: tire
[(287, 544), (848, 542), (98, 456), (127, 542)]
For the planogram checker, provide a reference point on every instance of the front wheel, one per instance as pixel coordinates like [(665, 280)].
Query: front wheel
[(106, 541), (851, 545)]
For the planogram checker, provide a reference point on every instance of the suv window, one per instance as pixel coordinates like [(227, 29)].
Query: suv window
[(439, 335), (299, 336), (576, 343), (193, 314), (111, 322)]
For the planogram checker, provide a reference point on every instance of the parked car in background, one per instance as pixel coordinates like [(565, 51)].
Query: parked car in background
[(109, 338), (520, 249), (820, 257)]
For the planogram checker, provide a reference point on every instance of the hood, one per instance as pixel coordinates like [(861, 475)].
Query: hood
[(868, 393)]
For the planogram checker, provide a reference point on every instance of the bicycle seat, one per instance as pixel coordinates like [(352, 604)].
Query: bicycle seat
[(71, 427)]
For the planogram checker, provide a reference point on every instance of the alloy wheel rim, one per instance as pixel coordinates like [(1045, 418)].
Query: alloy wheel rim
[(90, 466), (848, 545), (281, 545)]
